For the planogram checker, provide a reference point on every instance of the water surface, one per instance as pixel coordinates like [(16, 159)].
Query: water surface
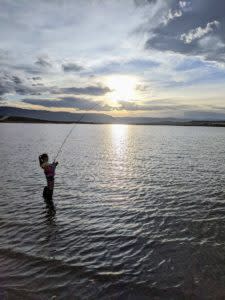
[(140, 213)]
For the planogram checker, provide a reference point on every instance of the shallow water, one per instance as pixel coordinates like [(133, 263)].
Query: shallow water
[(140, 213)]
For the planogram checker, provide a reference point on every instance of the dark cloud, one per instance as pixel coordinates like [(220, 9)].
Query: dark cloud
[(17, 80), (4, 89), (168, 108), (10, 83), (14, 84), (40, 66), (150, 106), (204, 115), (43, 62), (89, 90), (69, 102), (30, 69), (72, 67), (192, 27), (142, 87), (25, 90), (40, 84), (87, 104), (7, 84)]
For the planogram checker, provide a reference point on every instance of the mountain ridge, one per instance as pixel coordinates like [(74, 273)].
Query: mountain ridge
[(21, 115)]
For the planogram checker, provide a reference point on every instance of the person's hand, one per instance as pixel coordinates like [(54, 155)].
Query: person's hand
[(55, 162)]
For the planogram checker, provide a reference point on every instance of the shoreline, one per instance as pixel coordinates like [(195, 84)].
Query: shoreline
[(184, 124)]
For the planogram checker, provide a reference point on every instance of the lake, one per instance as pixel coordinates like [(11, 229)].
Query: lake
[(140, 213)]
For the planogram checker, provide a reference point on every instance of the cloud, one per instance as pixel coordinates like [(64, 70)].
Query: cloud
[(16, 80), (72, 67), (36, 78), (184, 34), (43, 62), (28, 68), (9, 84), (205, 115), (69, 102), (144, 2), (150, 106), (164, 107), (41, 66), (174, 109), (13, 84), (135, 65), (142, 87), (89, 90), (172, 15), (88, 104), (199, 32)]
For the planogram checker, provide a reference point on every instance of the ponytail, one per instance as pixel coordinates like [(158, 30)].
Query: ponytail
[(43, 158)]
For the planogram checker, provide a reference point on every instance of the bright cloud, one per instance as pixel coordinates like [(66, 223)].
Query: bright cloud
[(199, 32)]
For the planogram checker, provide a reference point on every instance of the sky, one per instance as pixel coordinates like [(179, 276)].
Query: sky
[(155, 58)]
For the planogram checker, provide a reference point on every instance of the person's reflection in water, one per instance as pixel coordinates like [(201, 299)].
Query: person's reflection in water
[(50, 210), (50, 232)]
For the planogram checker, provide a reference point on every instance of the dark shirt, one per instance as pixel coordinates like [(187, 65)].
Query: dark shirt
[(49, 170)]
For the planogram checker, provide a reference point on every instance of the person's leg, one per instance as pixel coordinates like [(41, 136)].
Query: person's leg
[(50, 189), (50, 194), (49, 203), (45, 192)]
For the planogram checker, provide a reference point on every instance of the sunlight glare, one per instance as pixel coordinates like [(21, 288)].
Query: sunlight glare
[(123, 87)]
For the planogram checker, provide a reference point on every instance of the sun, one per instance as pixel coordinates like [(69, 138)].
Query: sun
[(123, 87)]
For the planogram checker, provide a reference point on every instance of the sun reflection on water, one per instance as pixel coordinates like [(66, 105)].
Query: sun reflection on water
[(119, 135)]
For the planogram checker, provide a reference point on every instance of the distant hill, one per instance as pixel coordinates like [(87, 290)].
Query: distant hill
[(14, 114)]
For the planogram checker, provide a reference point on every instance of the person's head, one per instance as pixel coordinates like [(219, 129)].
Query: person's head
[(43, 158)]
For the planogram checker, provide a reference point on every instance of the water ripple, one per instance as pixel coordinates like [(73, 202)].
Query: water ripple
[(139, 213)]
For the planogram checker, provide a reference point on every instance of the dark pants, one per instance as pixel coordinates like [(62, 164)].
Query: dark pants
[(47, 193)]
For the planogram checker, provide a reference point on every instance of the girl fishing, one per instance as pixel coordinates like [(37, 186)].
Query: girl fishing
[(49, 170)]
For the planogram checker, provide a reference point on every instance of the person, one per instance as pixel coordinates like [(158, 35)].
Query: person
[(49, 170)]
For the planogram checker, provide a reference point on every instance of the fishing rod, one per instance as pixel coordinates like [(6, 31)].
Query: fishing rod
[(70, 131)]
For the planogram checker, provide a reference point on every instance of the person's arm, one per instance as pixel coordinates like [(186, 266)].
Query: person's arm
[(55, 163)]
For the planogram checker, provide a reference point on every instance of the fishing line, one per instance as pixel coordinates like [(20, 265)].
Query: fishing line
[(70, 131)]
